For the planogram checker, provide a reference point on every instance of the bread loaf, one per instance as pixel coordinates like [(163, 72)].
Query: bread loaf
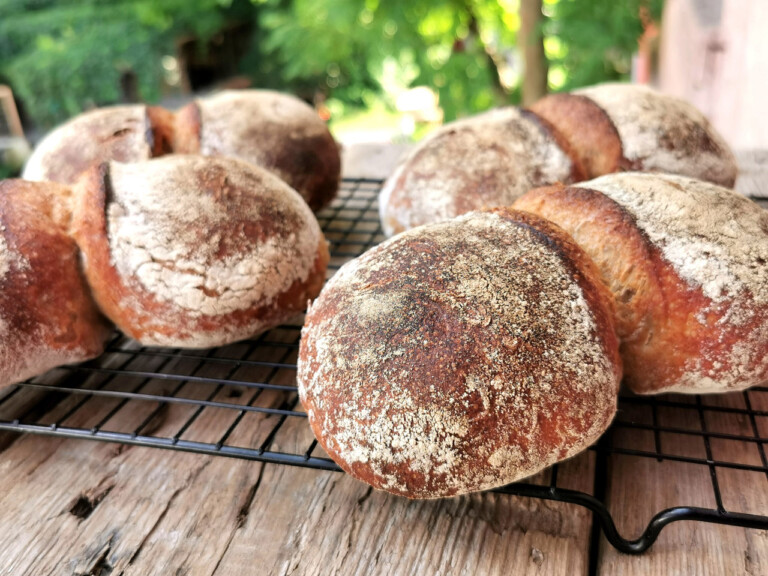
[(47, 317), (487, 160), (687, 262), (119, 133), (652, 132), (460, 356), (493, 158), (196, 252), (275, 131)]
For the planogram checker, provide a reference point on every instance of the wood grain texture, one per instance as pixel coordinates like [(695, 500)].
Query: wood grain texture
[(639, 487), (91, 508)]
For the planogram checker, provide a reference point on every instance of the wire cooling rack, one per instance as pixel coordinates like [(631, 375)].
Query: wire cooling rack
[(241, 401)]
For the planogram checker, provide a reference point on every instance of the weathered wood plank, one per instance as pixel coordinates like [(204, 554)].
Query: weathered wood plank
[(88, 508), (334, 524), (640, 487)]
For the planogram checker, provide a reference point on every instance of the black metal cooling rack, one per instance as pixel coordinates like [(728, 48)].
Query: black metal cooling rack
[(241, 401)]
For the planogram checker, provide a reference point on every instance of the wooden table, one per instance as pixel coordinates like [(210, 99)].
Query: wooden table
[(89, 508)]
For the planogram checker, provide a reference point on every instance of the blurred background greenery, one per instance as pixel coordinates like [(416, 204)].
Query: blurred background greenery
[(354, 59)]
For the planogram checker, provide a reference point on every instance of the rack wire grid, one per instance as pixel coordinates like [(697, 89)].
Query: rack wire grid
[(241, 401)]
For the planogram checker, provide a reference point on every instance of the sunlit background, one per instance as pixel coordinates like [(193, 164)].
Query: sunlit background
[(377, 70)]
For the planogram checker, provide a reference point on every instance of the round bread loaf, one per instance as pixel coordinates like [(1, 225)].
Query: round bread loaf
[(687, 262), (460, 356), (196, 252), (276, 131), (612, 127), (487, 160), (47, 316), (120, 133)]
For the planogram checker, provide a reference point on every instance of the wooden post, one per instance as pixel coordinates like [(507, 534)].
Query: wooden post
[(531, 41), (8, 107)]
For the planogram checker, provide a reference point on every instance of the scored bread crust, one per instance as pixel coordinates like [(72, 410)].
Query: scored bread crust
[(121, 133), (460, 356), (687, 262), (196, 252), (47, 316), (276, 131), (592, 137), (661, 133), (484, 161)]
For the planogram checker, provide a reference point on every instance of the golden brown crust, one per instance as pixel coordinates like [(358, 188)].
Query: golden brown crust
[(161, 126), (186, 136), (676, 335), (592, 138), (196, 252), (47, 317), (460, 356)]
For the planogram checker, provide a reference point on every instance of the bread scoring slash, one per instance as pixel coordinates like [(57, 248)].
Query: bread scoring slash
[(687, 262), (491, 159), (196, 252)]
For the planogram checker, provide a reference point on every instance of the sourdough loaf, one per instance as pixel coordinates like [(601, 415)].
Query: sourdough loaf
[(196, 252), (493, 158), (487, 160), (460, 356), (120, 133), (47, 316), (276, 131), (687, 262), (646, 130)]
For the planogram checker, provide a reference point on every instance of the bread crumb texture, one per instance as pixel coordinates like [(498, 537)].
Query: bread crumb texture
[(455, 357), (210, 236), (484, 161), (662, 133), (717, 242)]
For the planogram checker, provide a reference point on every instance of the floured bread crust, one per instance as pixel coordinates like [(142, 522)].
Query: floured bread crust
[(662, 133), (47, 317), (460, 356), (484, 161), (196, 252), (688, 264), (120, 133), (276, 131)]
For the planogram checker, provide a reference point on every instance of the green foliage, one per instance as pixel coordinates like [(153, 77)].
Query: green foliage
[(62, 56), (595, 38), (355, 49), (465, 49)]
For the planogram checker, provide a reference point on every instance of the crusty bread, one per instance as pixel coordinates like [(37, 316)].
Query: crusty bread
[(658, 133), (276, 131), (593, 138), (493, 158), (47, 316), (687, 262), (487, 160), (196, 252), (460, 356), (121, 133)]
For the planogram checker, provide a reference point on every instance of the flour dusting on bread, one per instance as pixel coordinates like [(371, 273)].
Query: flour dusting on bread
[(191, 231)]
